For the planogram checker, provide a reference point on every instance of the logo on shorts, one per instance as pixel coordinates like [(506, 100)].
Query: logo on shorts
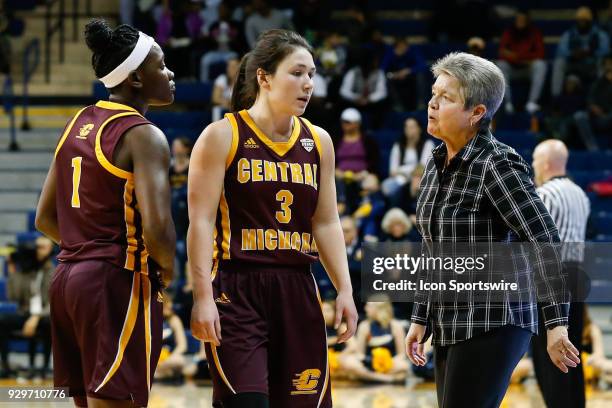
[(306, 382), (251, 144), (307, 144), (84, 131), (223, 298)]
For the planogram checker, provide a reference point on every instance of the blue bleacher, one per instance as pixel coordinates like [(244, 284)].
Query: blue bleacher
[(584, 178), (518, 139), (188, 92)]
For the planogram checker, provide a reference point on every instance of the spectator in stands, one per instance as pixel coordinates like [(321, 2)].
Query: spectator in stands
[(197, 368), (405, 68), (224, 42), (264, 18), (356, 157), (354, 255), (364, 87), (331, 56), (311, 17), (476, 46), (222, 89), (377, 351), (593, 345), (179, 32), (29, 288), (5, 43), (357, 24), (179, 169), (599, 105), (410, 150), (174, 346), (398, 227), (559, 123), (371, 209), (580, 51), (521, 54), (607, 20), (144, 15)]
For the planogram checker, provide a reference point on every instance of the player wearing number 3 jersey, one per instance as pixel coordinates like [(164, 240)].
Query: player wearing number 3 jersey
[(262, 204), (106, 201)]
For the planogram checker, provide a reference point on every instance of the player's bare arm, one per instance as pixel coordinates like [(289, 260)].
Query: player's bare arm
[(327, 233), (207, 163), (150, 156), (46, 211)]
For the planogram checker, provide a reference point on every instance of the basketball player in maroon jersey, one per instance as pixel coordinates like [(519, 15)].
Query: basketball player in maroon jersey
[(261, 201), (106, 201)]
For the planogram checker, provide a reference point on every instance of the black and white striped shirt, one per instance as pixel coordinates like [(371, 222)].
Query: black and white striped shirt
[(568, 205), (485, 194)]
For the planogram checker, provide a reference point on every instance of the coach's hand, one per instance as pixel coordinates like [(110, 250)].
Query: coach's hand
[(414, 348), (205, 322), (345, 308), (560, 349)]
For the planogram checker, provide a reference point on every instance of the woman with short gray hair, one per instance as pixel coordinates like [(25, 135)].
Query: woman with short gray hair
[(476, 189)]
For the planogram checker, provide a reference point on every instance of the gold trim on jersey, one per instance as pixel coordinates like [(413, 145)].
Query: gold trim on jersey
[(115, 106), (111, 168), (215, 269), (280, 148), (235, 137), (225, 225), (130, 228), (219, 368), (326, 382), (146, 290), (315, 136), (126, 331), (67, 131)]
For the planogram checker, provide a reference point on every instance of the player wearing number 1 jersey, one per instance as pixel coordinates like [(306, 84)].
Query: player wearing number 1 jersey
[(262, 204), (106, 201)]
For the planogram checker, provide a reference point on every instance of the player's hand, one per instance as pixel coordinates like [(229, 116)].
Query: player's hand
[(414, 348), (29, 328), (205, 322), (560, 349), (345, 308)]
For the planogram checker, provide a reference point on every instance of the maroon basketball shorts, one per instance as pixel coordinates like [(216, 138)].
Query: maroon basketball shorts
[(273, 336), (106, 325)]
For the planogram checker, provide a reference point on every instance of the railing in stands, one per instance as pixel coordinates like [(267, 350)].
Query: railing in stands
[(51, 27), (76, 15), (31, 59), (8, 102)]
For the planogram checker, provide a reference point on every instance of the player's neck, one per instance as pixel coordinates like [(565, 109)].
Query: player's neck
[(140, 106), (277, 127)]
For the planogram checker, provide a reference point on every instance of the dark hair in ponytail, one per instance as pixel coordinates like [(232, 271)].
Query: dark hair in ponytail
[(271, 48), (110, 47)]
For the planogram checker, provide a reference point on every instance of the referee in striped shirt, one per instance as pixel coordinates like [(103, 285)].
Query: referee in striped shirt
[(569, 207)]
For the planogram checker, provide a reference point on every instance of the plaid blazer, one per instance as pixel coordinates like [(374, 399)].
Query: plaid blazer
[(485, 194)]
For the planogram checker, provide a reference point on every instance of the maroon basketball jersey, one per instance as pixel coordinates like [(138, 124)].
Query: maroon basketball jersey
[(96, 204), (269, 195)]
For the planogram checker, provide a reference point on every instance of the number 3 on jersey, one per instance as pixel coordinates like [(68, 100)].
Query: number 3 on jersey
[(286, 199), (76, 180)]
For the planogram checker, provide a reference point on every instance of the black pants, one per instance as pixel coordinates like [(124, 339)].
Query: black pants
[(475, 373), (560, 390)]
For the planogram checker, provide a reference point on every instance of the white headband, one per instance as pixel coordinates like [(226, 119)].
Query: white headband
[(133, 61)]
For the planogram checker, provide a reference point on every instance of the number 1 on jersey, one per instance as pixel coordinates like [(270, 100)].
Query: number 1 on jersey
[(286, 199), (76, 180)]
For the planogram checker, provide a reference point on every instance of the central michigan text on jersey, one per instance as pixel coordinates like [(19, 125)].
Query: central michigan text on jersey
[(284, 176)]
